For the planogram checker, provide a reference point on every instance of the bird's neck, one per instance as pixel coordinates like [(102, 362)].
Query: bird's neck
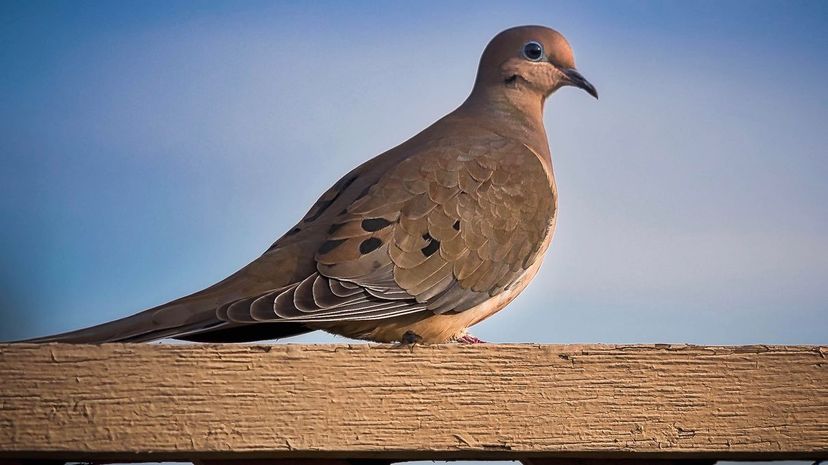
[(514, 114)]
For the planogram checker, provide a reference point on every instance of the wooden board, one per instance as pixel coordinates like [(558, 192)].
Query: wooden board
[(167, 402)]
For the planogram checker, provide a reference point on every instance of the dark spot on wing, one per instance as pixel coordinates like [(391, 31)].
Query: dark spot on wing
[(330, 245), (287, 234), (374, 224), (364, 192), (335, 227), (456, 225), (320, 209), (432, 247), (369, 245), (323, 205)]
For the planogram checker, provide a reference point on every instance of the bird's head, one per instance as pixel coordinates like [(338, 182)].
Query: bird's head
[(530, 60)]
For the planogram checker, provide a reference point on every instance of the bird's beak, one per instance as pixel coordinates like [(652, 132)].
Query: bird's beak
[(576, 79)]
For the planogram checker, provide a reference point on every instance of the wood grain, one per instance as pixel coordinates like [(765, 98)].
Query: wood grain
[(167, 402)]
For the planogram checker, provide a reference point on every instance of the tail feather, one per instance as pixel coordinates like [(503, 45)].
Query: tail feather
[(194, 317), (191, 318), (191, 313), (141, 327)]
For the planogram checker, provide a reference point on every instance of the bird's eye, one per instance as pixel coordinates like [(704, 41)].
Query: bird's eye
[(533, 51)]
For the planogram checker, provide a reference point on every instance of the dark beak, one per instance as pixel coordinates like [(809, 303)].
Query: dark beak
[(576, 79)]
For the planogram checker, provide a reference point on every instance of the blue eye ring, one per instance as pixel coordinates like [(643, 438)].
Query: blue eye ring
[(533, 51)]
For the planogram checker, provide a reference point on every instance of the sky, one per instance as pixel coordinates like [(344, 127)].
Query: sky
[(149, 149)]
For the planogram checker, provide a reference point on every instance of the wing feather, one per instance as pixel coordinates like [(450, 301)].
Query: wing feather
[(442, 231)]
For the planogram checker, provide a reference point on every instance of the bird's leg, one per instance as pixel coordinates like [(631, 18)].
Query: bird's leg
[(410, 339)]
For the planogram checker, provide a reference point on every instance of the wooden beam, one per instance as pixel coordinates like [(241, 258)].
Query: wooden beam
[(135, 402)]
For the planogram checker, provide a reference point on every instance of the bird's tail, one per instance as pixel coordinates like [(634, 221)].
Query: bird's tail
[(192, 318), (195, 312), (168, 320)]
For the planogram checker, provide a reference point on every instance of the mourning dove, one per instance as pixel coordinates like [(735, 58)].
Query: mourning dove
[(426, 239)]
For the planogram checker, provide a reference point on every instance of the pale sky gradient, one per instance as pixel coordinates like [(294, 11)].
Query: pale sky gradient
[(149, 149)]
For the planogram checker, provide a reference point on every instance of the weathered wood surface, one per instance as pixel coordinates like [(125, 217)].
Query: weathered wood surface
[(136, 402)]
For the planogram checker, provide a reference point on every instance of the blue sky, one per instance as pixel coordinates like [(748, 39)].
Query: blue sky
[(148, 149)]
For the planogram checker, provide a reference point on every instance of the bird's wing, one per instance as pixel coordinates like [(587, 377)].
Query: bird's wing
[(443, 230)]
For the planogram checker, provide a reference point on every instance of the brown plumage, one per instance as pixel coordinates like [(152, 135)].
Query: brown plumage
[(431, 236)]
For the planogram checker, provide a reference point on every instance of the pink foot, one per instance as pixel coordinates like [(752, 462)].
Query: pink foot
[(468, 339)]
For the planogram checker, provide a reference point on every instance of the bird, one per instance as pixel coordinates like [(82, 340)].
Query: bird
[(420, 242)]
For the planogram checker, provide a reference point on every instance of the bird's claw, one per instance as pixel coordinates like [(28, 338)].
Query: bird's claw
[(409, 339)]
